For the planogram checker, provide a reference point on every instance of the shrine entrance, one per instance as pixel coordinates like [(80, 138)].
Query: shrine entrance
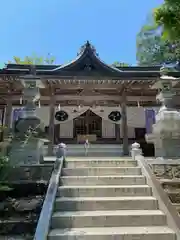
[(88, 126)]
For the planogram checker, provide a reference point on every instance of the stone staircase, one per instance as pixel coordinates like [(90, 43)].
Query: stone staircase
[(95, 150), (106, 199)]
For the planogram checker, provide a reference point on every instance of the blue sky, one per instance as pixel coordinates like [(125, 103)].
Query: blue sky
[(60, 27)]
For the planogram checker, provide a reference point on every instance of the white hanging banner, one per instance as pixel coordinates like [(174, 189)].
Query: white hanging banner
[(135, 115), (111, 114), (73, 112)]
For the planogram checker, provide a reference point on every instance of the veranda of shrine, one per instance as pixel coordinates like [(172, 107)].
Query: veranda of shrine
[(85, 82)]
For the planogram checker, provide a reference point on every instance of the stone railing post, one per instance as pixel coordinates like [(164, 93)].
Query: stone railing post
[(135, 150), (60, 152)]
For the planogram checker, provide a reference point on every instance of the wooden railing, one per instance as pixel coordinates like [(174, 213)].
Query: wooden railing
[(43, 225)]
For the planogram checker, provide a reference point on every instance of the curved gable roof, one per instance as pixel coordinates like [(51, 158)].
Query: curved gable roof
[(88, 61)]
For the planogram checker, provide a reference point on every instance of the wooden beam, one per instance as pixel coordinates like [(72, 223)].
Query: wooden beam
[(91, 85), (75, 77), (94, 98), (86, 86)]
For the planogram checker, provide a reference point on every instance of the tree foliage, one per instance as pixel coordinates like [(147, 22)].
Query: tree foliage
[(152, 49), (36, 60), (120, 64), (168, 16)]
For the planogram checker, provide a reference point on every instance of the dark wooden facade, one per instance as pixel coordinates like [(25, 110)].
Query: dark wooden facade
[(86, 75)]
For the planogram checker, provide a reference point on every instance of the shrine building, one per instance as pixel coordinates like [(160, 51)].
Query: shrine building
[(87, 98)]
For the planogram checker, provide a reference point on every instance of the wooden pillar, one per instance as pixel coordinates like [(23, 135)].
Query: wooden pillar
[(117, 132), (8, 113), (52, 105), (124, 124), (87, 120)]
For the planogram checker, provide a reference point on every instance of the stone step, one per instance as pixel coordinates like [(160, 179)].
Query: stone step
[(95, 146), (113, 233), (101, 171), (99, 163), (118, 218), (95, 150), (103, 180), (92, 153), (104, 191), (107, 203)]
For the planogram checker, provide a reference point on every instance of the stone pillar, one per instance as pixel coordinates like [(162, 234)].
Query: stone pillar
[(124, 124), (166, 131), (8, 113), (31, 94), (26, 145), (52, 105)]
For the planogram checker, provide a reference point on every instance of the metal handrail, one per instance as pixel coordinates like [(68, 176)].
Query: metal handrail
[(43, 225), (165, 204)]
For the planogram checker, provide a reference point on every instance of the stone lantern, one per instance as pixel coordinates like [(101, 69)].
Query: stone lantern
[(31, 95), (166, 131), (26, 146)]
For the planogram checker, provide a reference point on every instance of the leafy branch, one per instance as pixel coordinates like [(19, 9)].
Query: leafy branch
[(30, 133)]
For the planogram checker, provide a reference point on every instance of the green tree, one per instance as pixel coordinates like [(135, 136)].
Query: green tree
[(152, 49), (168, 17), (34, 60), (120, 64)]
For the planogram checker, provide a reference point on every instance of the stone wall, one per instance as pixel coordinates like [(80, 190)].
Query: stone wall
[(30, 173), (166, 171), (169, 177)]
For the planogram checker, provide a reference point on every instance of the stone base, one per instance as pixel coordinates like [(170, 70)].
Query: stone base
[(31, 153), (165, 147)]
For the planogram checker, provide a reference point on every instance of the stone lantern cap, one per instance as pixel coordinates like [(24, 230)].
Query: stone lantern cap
[(165, 78), (158, 84), (62, 145), (135, 145), (31, 79)]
